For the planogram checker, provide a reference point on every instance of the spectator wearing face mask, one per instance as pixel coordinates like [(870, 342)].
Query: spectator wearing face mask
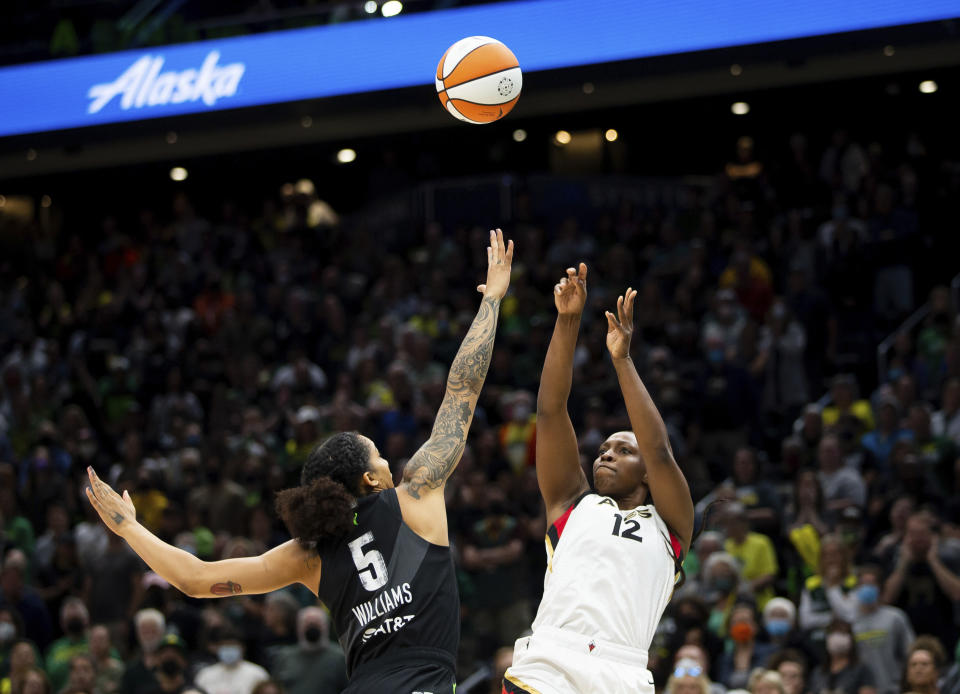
[(75, 620), (231, 674), (315, 665), (171, 668), (721, 579), (883, 633), (780, 623), (842, 673), (690, 655), (746, 651)]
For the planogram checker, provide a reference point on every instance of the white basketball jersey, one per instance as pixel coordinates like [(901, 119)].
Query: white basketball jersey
[(610, 573)]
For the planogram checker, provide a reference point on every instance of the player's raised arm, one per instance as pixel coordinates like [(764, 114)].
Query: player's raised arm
[(429, 468), (281, 566), (667, 484), (559, 473)]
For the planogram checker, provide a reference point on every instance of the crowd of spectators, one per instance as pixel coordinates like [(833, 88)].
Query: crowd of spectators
[(195, 359)]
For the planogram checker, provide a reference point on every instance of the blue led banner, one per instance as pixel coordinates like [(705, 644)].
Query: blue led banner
[(403, 51)]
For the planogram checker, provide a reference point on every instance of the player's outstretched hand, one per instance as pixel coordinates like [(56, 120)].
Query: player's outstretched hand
[(499, 261), (116, 511), (620, 326), (570, 293)]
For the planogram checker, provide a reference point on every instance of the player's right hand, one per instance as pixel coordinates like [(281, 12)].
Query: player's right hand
[(570, 293), (499, 264), (117, 512)]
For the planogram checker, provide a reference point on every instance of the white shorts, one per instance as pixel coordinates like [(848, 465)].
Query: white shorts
[(554, 661)]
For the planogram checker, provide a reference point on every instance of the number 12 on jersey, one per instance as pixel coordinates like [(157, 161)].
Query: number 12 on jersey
[(630, 529), (371, 568)]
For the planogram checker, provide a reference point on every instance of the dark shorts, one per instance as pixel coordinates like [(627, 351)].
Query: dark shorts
[(405, 673)]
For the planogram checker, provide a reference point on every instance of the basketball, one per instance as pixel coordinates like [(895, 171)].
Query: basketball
[(478, 80)]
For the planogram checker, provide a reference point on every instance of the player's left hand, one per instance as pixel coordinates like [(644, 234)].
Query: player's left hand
[(499, 262), (117, 512), (620, 326)]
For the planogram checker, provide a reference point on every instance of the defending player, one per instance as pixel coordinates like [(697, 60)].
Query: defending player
[(378, 556), (613, 557)]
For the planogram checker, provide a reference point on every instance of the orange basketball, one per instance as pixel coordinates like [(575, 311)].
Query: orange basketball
[(478, 80)]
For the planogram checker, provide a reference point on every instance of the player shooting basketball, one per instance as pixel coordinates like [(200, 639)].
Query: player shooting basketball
[(613, 556)]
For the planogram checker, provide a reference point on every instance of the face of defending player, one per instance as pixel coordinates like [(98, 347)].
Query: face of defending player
[(619, 469), (378, 477)]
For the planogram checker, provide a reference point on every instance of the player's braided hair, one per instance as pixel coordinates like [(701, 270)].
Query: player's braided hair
[(320, 509), (681, 572)]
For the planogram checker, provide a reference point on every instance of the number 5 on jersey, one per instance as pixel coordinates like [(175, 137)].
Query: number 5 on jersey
[(370, 565)]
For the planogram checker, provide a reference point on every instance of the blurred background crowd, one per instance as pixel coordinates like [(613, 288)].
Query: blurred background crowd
[(195, 352)]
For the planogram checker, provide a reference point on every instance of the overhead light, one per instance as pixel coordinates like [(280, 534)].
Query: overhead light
[(306, 121), (928, 87), (519, 135), (45, 201), (178, 173), (889, 51), (31, 154), (736, 70), (588, 88), (562, 137), (345, 156), (611, 135), (740, 108), (370, 7), (391, 8), (171, 138)]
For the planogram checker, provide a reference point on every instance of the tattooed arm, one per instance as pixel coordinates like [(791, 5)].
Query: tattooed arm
[(281, 566), (429, 468)]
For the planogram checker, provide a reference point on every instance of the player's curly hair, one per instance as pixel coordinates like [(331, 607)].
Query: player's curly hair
[(321, 508)]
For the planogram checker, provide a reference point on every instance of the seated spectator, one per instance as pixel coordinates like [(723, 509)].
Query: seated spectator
[(828, 594), (149, 627), (879, 443), (315, 665), (75, 620), (758, 496), (925, 661), (945, 422), (697, 654), (688, 677), (883, 633), (924, 582), (232, 674), (842, 485), (766, 682), (843, 393), (171, 670), (842, 673), (35, 682), (780, 623), (745, 652), (16, 594), (754, 551), (722, 584), (109, 667), (82, 675), (23, 659), (792, 667)]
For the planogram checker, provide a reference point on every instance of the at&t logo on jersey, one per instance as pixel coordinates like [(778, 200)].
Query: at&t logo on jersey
[(391, 625), (143, 84)]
